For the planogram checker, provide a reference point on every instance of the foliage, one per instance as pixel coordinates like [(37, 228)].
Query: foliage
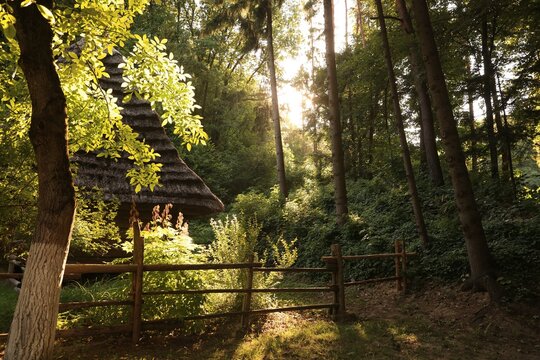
[(380, 213), (85, 33), (164, 243), (235, 241), (94, 230)]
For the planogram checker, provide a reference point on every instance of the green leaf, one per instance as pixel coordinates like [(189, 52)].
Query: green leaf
[(9, 32), (46, 13)]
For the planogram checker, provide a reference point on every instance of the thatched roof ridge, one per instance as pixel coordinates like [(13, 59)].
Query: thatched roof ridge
[(179, 185)]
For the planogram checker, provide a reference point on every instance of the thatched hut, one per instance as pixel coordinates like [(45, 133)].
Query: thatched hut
[(180, 186)]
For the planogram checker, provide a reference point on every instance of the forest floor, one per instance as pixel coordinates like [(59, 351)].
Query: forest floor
[(430, 323)]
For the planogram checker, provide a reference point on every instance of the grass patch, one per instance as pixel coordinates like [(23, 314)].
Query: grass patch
[(8, 300)]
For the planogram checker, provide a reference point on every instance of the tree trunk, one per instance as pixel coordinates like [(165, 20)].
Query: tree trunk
[(498, 121), (406, 156), (492, 140), (423, 157), (275, 105), (360, 22), (338, 165), (426, 114), (346, 25), (33, 328), (482, 268), (507, 139), (373, 102), (470, 100)]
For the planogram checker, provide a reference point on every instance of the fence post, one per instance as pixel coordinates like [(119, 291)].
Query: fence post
[(331, 264), (397, 262), (339, 281), (137, 282), (246, 304), (11, 263), (404, 265)]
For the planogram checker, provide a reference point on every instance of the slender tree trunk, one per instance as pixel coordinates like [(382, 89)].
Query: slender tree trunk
[(482, 268), (423, 157), (360, 22), (470, 100), (498, 121), (413, 192), (371, 127), (346, 25), (275, 105), (338, 165), (352, 131), (387, 124), (507, 139), (492, 140), (33, 328), (426, 114)]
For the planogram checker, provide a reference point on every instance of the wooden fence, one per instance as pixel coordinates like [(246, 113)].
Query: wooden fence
[(335, 265)]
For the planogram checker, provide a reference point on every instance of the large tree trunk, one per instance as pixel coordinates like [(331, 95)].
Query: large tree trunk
[(406, 156), (34, 323), (338, 165), (426, 114), (275, 104), (492, 140), (482, 268)]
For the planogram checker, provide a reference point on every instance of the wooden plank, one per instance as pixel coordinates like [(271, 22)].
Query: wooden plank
[(218, 291), (246, 303), (404, 265), (11, 275), (99, 268), (67, 276), (90, 331), (87, 304), (369, 281), (397, 264), (341, 310), (307, 270), (138, 259), (152, 323), (177, 267), (369, 256)]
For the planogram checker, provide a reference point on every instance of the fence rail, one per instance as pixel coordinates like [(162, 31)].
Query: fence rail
[(335, 265)]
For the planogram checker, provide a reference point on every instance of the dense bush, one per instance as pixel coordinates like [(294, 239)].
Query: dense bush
[(236, 241)]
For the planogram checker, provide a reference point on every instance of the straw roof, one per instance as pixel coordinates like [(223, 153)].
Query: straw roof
[(180, 186)]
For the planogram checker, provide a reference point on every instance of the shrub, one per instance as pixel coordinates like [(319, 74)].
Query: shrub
[(235, 241), (164, 243)]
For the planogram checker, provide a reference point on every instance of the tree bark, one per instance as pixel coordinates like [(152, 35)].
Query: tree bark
[(275, 104), (482, 268), (33, 328), (470, 100), (406, 156), (492, 140), (505, 150), (424, 102), (360, 22), (338, 166)]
